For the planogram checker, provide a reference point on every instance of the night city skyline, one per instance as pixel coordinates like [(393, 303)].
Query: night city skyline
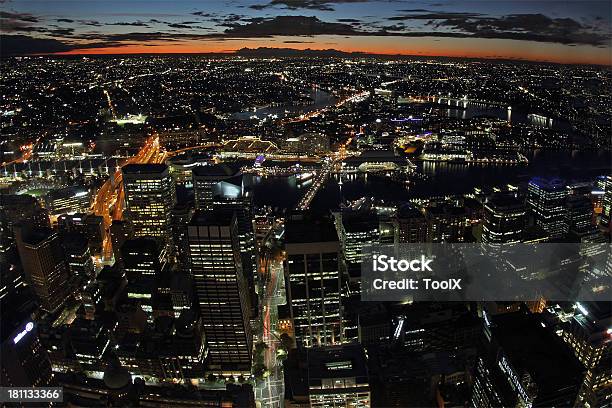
[(569, 32), (305, 204)]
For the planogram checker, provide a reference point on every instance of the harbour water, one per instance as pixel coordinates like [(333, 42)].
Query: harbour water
[(442, 179)]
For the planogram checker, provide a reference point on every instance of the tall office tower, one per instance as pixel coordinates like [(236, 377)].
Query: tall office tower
[(446, 223), (13, 210), (606, 213), (580, 225), (546, 199), (181, 214), (25, 362), (78, 257), (120, 231), (312, 270), (94, 227), (149, 197), (44, 266), (220, 289), (338, 377), (578, 214), (205, 178), (588, 333), (410, 225), (524, 364), (231, 195), (144, 261), (357, 229), (504, 220)]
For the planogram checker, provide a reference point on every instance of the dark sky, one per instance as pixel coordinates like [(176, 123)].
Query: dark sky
[(560, 31)]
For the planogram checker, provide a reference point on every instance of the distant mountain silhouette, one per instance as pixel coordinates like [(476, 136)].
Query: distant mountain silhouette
[(292, 52)]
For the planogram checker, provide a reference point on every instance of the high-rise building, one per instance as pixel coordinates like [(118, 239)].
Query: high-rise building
[(446, 223), (546, 199), (205, 178), (312, 270), (410, 225), (579, 214), (589, 334), (68, 200), (357, 229), (220, 289), (524, 364), (149, 197), (25, 362), (16, 209), (606, 213), (504, 220), (78, 257), (144, 262), (120, 231), (181, 214), (338, 377), (231, 195), (44, 266)]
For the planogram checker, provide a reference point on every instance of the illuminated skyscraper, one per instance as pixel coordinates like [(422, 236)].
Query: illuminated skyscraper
[(43, 263), (312, 270), (144, 262), (149, 198), (546, 199), (205, 178), (504, 220), (606, 214), (25, 362), (589, 334), (13, 210), (410, 225), (78, 257), (358, 229), (220, 289), (446, 223)]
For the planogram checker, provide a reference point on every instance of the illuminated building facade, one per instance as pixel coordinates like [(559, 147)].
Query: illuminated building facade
[(338, 377), (205, 178), (589, 334), (445, 223), (410, 225), (149, 197), (68, 200), (504, 220), (78, 257), (44, 266), (312, 270), (220, 289), (357, 229), (546, 199), (144, 262), (25, 362), (606, 214)]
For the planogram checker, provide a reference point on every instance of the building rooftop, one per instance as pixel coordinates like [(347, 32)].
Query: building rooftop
[(150, 168), (548, 184), (310, 229), (215, 170), (337, 362), (212, 217), (534, 349)]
